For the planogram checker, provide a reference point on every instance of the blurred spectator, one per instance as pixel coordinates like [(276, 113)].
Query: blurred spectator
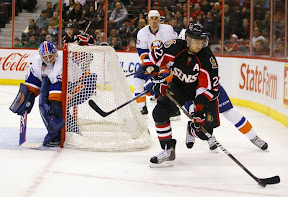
[(244, 30), (49, 9), (211, 27), (156, 6), (175, 25), (217, 12), (169, 16), (279, 50), (197, 10), (25, 36), (136, 20), (116, 44), (179, 17), (42, 35), (32, 24), (113, 33), (69, 7), (205, 6), (48, 38), (257, 36), (32, 43), (142, 23), (100, 14), (228, 21), (131, 46), (53, 24), (265, 24), (233, 46), (101, 38), (30, 5), (260, 48), (76, 16), (42, 21), (97, 34), (127, 31), (118, 16), (200, 19), (17, 43)]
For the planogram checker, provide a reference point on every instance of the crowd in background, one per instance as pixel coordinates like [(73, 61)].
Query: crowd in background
[(127, 17)]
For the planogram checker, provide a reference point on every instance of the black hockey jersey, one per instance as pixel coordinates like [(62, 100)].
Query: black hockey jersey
[(195, 72), (82, 40)]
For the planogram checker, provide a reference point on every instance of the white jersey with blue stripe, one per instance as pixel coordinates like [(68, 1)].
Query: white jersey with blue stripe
[(146, 40)]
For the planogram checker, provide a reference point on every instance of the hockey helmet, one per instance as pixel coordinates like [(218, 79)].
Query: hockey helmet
[(48, 52), (197, 31), (70, 25), (153, 13)]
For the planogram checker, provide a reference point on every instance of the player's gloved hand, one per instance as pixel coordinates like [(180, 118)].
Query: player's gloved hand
[(159, 85), (27, 104), (149, 69), (83, 39), (149, 87)]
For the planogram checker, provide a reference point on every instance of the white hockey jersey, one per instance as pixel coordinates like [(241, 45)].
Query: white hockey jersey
[(146, 40), (53, 72)]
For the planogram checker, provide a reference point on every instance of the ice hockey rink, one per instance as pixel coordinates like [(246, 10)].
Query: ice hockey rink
[(197, 171)]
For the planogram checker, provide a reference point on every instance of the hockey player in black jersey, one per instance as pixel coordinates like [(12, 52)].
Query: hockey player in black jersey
[(82, 39), (195, 77)]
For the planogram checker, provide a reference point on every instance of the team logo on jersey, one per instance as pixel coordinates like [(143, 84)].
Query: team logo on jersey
[(209, 118), (169, 43), (156, 43), (138, 42), (213, 62)]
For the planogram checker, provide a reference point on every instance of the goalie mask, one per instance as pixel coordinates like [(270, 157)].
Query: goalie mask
[(196, 32), (48, 52)]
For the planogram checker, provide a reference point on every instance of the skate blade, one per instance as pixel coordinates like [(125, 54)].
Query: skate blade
[(175, 118), (165, 164)]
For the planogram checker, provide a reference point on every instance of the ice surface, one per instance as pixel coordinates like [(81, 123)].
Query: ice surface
[(197, 172)]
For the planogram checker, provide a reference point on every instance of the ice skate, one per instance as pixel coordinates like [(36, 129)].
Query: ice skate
[(166, 157), (176, 116), (212, 144), (259, 143), (190, 139)]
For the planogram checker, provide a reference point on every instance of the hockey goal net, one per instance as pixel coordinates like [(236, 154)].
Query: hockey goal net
[(94, 72)]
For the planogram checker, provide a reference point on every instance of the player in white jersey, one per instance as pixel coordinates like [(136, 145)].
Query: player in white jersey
[(148, 38), (45, 78)]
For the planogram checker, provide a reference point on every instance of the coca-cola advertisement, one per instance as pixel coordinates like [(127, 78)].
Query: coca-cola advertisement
[(14, 63)]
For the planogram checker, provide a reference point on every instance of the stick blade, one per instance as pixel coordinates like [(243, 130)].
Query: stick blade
[(271, 180), (94, 106)]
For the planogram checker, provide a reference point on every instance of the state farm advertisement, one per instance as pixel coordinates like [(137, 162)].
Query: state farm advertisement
[(14, 62)]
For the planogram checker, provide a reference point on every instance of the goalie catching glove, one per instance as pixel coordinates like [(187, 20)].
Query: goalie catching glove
[(157, 86)]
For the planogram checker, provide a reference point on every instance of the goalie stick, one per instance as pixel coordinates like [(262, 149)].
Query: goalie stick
[(23, 123), (104, 114), (261, 181)]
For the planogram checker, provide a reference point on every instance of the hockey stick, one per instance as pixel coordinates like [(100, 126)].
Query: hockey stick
[(137, 72), (23, 123), (262, 182), (104, 114)]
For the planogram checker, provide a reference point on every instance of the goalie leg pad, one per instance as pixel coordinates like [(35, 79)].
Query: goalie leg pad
[(23, 101), (51, 113)]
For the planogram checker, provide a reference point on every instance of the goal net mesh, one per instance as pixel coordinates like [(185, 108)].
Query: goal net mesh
[(94, 72)]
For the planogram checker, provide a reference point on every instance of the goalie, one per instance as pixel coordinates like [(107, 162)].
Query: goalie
[(45, 78)]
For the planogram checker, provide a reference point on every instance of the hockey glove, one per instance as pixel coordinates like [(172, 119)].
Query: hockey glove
[(149, 87), (200, 110), (159, 85)]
